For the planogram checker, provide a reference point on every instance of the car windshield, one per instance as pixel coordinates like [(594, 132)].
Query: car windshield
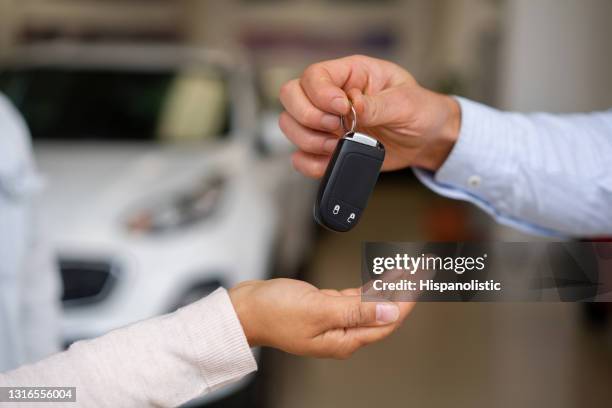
[(113, 105)]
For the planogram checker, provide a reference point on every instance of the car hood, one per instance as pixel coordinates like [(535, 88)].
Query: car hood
[(89, 187)]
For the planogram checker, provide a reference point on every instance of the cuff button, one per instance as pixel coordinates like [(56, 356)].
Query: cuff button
[(474, 181)]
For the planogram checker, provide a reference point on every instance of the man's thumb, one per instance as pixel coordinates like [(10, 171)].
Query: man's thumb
[(350, 311), (371, 109)]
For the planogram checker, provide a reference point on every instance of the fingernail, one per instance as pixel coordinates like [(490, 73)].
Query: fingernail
[(386, 313), (330, 145), (330, 122), (340, 104)]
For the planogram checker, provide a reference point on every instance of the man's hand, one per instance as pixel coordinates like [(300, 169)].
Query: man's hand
[(418, 127), (298, 318)]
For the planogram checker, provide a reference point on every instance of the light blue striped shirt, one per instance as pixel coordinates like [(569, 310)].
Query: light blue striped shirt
[(544, 174)]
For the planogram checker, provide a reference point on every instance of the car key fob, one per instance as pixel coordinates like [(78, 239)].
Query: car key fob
[(348, 181)]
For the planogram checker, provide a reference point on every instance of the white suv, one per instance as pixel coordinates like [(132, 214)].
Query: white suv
[(158, 190)]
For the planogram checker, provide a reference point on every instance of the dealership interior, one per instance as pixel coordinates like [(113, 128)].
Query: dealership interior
[(162, 157)]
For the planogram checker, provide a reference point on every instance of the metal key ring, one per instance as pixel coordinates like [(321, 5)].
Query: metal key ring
[(353, 124)]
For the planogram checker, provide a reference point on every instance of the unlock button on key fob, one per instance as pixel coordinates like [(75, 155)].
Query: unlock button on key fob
[(343, 215), (351, 218)]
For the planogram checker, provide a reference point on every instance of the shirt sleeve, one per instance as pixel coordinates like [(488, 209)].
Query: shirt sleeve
[(165, 361), (542, 173)]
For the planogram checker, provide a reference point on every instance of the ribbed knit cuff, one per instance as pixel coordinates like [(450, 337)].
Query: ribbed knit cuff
[(218, 341)]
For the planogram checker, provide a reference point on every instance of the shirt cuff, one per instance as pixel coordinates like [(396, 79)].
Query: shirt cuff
[(481, 165), (481, 159), (219, 343)]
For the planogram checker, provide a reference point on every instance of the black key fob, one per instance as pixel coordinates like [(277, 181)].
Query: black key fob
[(348, 181)]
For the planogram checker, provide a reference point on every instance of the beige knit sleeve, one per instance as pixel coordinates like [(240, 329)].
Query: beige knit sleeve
[(164, 361)]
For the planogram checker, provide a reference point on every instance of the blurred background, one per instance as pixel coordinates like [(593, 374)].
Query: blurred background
[(154, 124)]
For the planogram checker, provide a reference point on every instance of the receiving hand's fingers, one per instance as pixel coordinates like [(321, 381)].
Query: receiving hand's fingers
[(330, 292), (393, 276), (404, 307), (350, 311), (341, 343), (363, 336), (306, 139), (358, 337), (404, 310), (298, 105), (310, 165), (351, 292), (343, 292)]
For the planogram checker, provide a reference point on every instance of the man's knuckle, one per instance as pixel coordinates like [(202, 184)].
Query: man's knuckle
[(283, 121), (312, 71), (314, 169), (286, 89), (309, 144), (375, 111), (358, 57), (372, 112), (314, 144), (311, 117), (312, 80), (322, 166), (296, 163)]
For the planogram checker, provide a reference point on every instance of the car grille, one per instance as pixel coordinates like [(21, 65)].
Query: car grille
[(86, 281)]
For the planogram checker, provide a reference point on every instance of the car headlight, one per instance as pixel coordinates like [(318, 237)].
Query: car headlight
[(178, 210)]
